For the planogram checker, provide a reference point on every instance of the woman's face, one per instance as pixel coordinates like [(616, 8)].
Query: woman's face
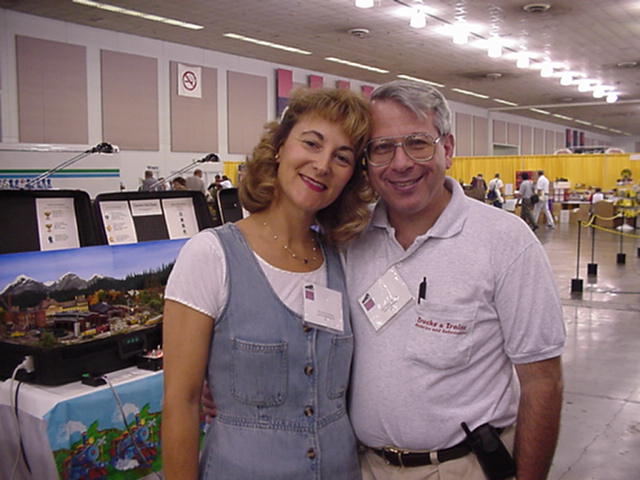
[(315, 163)]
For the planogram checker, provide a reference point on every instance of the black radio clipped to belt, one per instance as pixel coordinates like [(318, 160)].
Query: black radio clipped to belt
[(495, 460)]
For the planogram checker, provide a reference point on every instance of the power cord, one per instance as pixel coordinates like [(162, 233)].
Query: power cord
[(27, 365)]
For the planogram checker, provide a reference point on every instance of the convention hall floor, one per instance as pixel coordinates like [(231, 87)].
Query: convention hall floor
[(600, 430)]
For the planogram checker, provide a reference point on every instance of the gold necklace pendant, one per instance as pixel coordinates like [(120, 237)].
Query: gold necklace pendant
[(305, 260)]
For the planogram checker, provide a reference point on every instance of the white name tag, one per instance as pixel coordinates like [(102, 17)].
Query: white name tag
[(323, 308), (385, 298)]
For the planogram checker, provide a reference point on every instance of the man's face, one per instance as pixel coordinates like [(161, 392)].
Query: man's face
[(409, 188)]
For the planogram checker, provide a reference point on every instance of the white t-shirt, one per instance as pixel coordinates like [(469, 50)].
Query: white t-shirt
[(199, 278), (496, 183), (543, 185)]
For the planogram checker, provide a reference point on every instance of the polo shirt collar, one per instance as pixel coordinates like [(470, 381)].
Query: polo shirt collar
[(449, 223)]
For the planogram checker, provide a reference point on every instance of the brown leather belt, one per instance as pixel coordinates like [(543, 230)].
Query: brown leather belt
[(419, 458)]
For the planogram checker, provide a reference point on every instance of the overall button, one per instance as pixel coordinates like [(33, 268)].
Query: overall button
[(311, 454), (308, 370), (308, 411)]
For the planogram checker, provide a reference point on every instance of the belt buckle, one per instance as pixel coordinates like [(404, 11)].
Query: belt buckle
[(397, 452)]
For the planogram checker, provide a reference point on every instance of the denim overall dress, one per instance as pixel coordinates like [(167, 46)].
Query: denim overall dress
[(279, 386)]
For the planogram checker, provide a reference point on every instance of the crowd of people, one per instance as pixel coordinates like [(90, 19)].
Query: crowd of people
[(374, 344)]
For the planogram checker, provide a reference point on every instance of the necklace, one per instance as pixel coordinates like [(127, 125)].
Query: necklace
[(305, 260)]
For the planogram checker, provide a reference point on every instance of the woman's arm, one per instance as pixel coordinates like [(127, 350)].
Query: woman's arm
[(186, 335)]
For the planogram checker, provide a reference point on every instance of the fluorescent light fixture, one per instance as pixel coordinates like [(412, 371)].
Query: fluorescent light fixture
[(415, 79), (615, 131), (546, 70), (505, 102), (136, 13), (586, 85), (537, 110), (566, 79), (582, 122), (563, 117), (523, 60), (599, 92), (467, 92), (418, 18), (494, 47), (264, 43), (460, 33), (612, 97), (364, 3), (357, 65), (601, 127)]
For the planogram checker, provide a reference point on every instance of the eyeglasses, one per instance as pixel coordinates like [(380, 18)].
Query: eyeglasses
[(419, 147)]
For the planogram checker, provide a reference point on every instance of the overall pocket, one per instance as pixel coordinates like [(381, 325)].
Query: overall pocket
[(259, 372), (443, 335), (339, 365)]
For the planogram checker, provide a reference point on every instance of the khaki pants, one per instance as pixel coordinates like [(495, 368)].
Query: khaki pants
[(374, 467)]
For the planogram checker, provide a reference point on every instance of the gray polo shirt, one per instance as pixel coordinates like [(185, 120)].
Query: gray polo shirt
[(491, 301)]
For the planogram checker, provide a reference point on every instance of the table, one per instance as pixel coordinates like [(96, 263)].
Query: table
[(75, 431)]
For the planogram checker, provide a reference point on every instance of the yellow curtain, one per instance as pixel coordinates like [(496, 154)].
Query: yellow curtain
[(231, 171), (597, 170)]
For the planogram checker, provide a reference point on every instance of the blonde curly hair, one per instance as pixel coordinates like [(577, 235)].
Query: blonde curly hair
[(349, 214)]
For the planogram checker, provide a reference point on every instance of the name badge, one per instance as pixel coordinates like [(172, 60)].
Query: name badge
[(323, 308), (385, 298)]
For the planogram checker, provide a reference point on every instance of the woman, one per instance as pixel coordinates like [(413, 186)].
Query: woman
[(235, 308)]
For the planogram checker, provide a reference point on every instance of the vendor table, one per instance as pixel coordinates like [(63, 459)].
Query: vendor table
[(76, 431)]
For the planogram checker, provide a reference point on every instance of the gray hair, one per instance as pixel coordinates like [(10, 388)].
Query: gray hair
[(420, 99)]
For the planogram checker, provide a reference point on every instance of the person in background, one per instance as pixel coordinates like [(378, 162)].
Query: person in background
[(597, 196), (178, 183), (225, 182), (542, 189), (495, 191), (525, 192), (450, 325), (148, 182), (478, 188), (195, 182), (260, 308)]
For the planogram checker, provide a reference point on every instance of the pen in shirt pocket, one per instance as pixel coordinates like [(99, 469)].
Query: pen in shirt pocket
[(422, 290)]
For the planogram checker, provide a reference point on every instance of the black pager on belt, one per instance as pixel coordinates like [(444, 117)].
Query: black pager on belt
[(495, 460)]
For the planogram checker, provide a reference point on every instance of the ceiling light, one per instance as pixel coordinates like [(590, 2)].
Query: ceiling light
[(460, 33), (547, 70), (364, 3), (601, 127), (537, 110), (585, 85), (136, 13), (612, 97), (418, 18), (467, 92), (523, 60), (566, 79), (505, 102), (582, 122), (357, 65), (494, 47), (264, 43), (563, 117), (415, 79), (599, 92)]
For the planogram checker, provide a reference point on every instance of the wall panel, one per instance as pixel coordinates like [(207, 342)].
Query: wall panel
[(247, 110)]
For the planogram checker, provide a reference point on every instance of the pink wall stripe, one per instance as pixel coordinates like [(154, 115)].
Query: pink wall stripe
[(366, 90), (284, 81), (315, 81), (343, 84)]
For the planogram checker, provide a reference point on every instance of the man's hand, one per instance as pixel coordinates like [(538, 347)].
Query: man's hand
[(208, 404)]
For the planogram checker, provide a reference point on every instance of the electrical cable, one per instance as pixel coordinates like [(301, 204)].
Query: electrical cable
[(17, 410), (13, 405), (126, 424)]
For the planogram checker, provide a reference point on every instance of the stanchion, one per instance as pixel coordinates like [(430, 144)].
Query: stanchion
[(592, 268), (621, 258), (576, 283)]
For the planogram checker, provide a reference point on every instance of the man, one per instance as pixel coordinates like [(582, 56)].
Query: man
[(225, 182), (542, 189), (148, 182), (442, 313), (195, 182), (526, 192), (496, 191)]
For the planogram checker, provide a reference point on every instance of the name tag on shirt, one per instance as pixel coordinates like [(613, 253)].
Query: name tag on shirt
[(323, 308), (385, 298)]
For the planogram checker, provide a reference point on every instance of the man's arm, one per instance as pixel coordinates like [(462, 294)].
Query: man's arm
[(538, 422)]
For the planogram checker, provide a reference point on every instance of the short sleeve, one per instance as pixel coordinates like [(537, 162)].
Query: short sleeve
[(198, 278)]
